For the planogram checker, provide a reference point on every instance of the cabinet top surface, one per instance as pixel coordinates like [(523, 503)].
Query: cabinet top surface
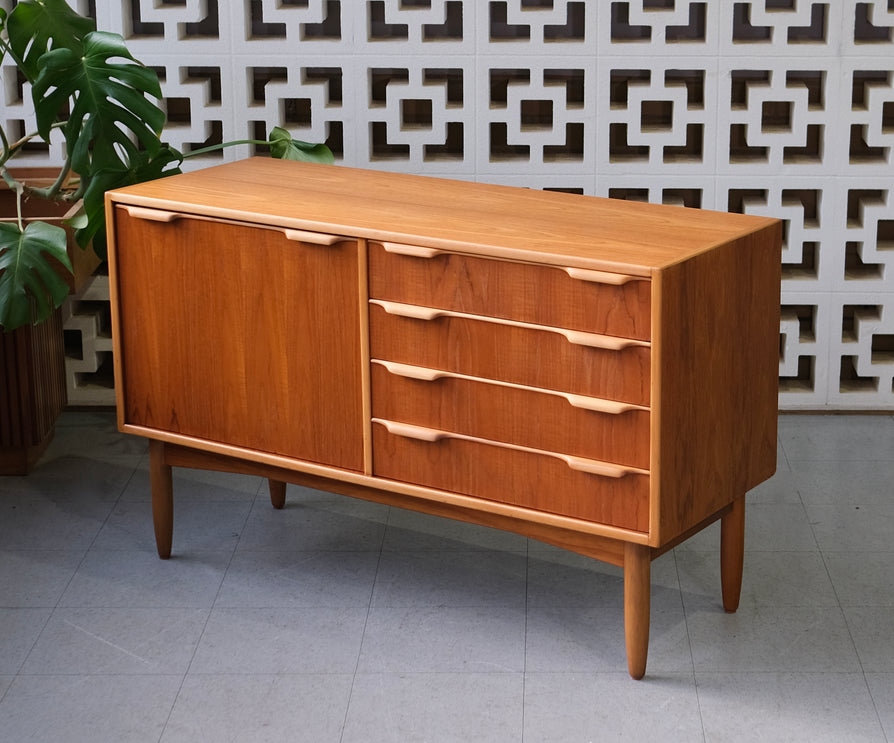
[(454, 215)]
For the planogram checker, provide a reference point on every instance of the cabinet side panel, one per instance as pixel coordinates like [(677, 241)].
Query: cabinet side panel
[(238, 335), (716, 379)]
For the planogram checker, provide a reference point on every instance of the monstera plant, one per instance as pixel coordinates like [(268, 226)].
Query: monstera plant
[(88, 90)]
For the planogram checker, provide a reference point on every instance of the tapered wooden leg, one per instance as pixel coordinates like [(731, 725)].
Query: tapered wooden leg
[(277, 493), (162, 498), (637, 598), (732, 554)]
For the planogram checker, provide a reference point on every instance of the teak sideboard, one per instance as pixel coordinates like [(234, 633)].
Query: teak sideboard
[(596, 374)]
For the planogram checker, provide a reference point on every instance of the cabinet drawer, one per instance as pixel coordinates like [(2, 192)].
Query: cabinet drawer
[(530, 355), (592, 301), (518, 477), (540, 419)]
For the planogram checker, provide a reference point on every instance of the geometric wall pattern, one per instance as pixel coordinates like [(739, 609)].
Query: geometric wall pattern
[(777, 107)]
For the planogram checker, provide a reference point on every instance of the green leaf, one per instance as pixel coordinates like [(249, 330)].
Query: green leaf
[(283, 147), (30, 287), (144, 168), (111, 118), (36, 26)]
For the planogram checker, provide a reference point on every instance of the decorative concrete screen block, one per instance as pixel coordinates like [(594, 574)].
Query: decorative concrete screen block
[(770, 107), (87, 327)]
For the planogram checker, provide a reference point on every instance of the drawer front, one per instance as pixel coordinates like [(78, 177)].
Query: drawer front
[(591, 301), (584, 427), (525, 355), (521, 478)]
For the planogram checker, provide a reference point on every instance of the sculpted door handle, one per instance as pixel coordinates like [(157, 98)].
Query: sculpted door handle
[(415, 251), (315, 238), (153, 215)]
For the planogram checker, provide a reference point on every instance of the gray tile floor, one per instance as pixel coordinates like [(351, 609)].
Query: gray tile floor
[(339, 620)]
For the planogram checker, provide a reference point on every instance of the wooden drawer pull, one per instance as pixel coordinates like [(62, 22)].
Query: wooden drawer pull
[(595, 404), (431, 435), (153, 215), (305, 236), (602, 277), (593, 340), (578, 338), (409, 371), (315, 238), (592, 467), (412, 311), (407, 431), (415, 251)]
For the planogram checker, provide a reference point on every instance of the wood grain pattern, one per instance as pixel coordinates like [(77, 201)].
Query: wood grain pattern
[(526, 224), (516, 291), (293, 340), (519, 478), (521, 416), (715, 380), (511, 354), (213, 348)]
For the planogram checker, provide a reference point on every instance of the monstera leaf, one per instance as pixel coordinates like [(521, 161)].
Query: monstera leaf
[(35, 28), (30, 289), (283, 147), (144, 168), (110, 119)]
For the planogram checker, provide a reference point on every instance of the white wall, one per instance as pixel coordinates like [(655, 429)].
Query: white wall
[(781, 107)]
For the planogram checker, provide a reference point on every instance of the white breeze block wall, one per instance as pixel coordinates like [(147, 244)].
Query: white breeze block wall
[(779, 107)]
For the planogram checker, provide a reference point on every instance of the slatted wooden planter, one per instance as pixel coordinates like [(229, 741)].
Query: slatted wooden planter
[(32, 359)]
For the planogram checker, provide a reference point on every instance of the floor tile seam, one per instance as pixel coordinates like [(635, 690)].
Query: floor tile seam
[(201, 635), (875, 706), (843, 674), (698, 701), (354, 673), (850, 634), (804, 510), (96, 674), (26, 656), (842, 606), (527, 610)]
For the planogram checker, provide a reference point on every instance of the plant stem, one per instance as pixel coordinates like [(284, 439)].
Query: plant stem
[(4, 143), (215, 147)]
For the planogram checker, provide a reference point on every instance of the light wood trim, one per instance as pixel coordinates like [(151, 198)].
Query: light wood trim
[(602, 277), (116, 320), (583, 402), (365, 376), (333, 476), (580, 464), (575, 337)]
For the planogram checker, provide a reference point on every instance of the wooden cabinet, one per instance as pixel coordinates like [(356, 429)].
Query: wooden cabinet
[(595, 374)]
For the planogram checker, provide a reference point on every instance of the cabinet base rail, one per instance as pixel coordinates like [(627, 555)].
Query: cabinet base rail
[(634, 559)]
